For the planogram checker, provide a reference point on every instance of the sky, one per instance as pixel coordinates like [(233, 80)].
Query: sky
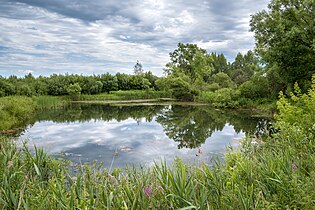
[(98, 36)]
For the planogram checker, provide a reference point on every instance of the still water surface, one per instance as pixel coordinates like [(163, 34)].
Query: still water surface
[(120, 135)]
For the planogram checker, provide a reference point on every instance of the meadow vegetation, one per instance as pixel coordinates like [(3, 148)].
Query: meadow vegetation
[(15, 110), (273, 171)]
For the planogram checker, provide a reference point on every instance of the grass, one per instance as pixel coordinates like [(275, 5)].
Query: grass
[(14, 110), (51, 102), (127, 95), (276, 171)]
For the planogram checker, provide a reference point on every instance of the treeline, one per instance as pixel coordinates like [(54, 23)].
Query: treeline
[(58, 85), (284, 55), (191, 73)]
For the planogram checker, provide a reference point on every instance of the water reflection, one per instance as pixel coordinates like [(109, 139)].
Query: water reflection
[(138, 134)]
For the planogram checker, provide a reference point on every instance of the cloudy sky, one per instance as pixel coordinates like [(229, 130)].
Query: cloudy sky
[(94, 37)]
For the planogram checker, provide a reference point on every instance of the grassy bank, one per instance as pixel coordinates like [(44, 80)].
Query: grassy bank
[(276, 171), (51, 102), (228, 98), (14, 110), (126, 95)]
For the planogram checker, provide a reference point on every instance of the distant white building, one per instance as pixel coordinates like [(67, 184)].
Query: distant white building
[(138, 68)]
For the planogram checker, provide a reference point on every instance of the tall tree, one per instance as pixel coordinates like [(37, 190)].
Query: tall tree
[(285, 38), (244, 67), (186, 59)]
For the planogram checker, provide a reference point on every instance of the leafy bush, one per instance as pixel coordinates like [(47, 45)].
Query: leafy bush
[(223, 80), (212, 87), (74, 90), (257, 87), (180, 86), (276, 172), (225, 98)]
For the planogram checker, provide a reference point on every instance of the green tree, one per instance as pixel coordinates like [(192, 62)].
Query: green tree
[(6, 88), (24, 89), (223, 80), (152, 79), (189, 70), (244, 67), (74, 90), (285, 37), (257, 87), (219, 63), (110, 82), (123, 81), (186, 59)]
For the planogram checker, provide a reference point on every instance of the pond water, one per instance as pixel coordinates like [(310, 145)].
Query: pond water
[(120, 135)]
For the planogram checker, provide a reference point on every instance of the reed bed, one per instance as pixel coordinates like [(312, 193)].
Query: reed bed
[(51, 102), (274, 171), (127, 95), (14, 110)]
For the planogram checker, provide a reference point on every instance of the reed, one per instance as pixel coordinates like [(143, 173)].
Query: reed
[(51, 102), (127, 95), (14, 110), (275, 172)]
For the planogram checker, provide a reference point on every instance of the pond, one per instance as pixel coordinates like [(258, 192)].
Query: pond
[(119, 134)]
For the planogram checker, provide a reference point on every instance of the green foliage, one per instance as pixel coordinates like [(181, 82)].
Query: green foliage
[(257, 87), (302, 105), (14, 110), (152, 79), (181, 87), (224, 98), (50, 102), (74, 91), (24, 90), (219, 63), (285, 38), (223, 80), (60, 85), (110, 83), (138, 82), (6, 88), (244, 67), (127, 95), (140, 94), (274, 172), (188, 59)]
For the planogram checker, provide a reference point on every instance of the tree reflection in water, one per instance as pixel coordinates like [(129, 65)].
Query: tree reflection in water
[(189, 126)]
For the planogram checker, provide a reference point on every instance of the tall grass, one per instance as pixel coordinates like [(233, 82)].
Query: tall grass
[(14, 110), (277, 172), (127, 95), (51, 102)]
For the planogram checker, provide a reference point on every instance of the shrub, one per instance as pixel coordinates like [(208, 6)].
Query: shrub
[(225, 98), (74, 91), (255, 88)]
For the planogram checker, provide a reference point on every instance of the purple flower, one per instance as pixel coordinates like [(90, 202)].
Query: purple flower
[(294, 167), (147, 191)]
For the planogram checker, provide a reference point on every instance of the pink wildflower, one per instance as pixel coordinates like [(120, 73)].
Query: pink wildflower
[(294, 167), (147, 191)]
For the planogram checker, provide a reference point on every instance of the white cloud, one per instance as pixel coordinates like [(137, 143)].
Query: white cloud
[(99, 37)]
